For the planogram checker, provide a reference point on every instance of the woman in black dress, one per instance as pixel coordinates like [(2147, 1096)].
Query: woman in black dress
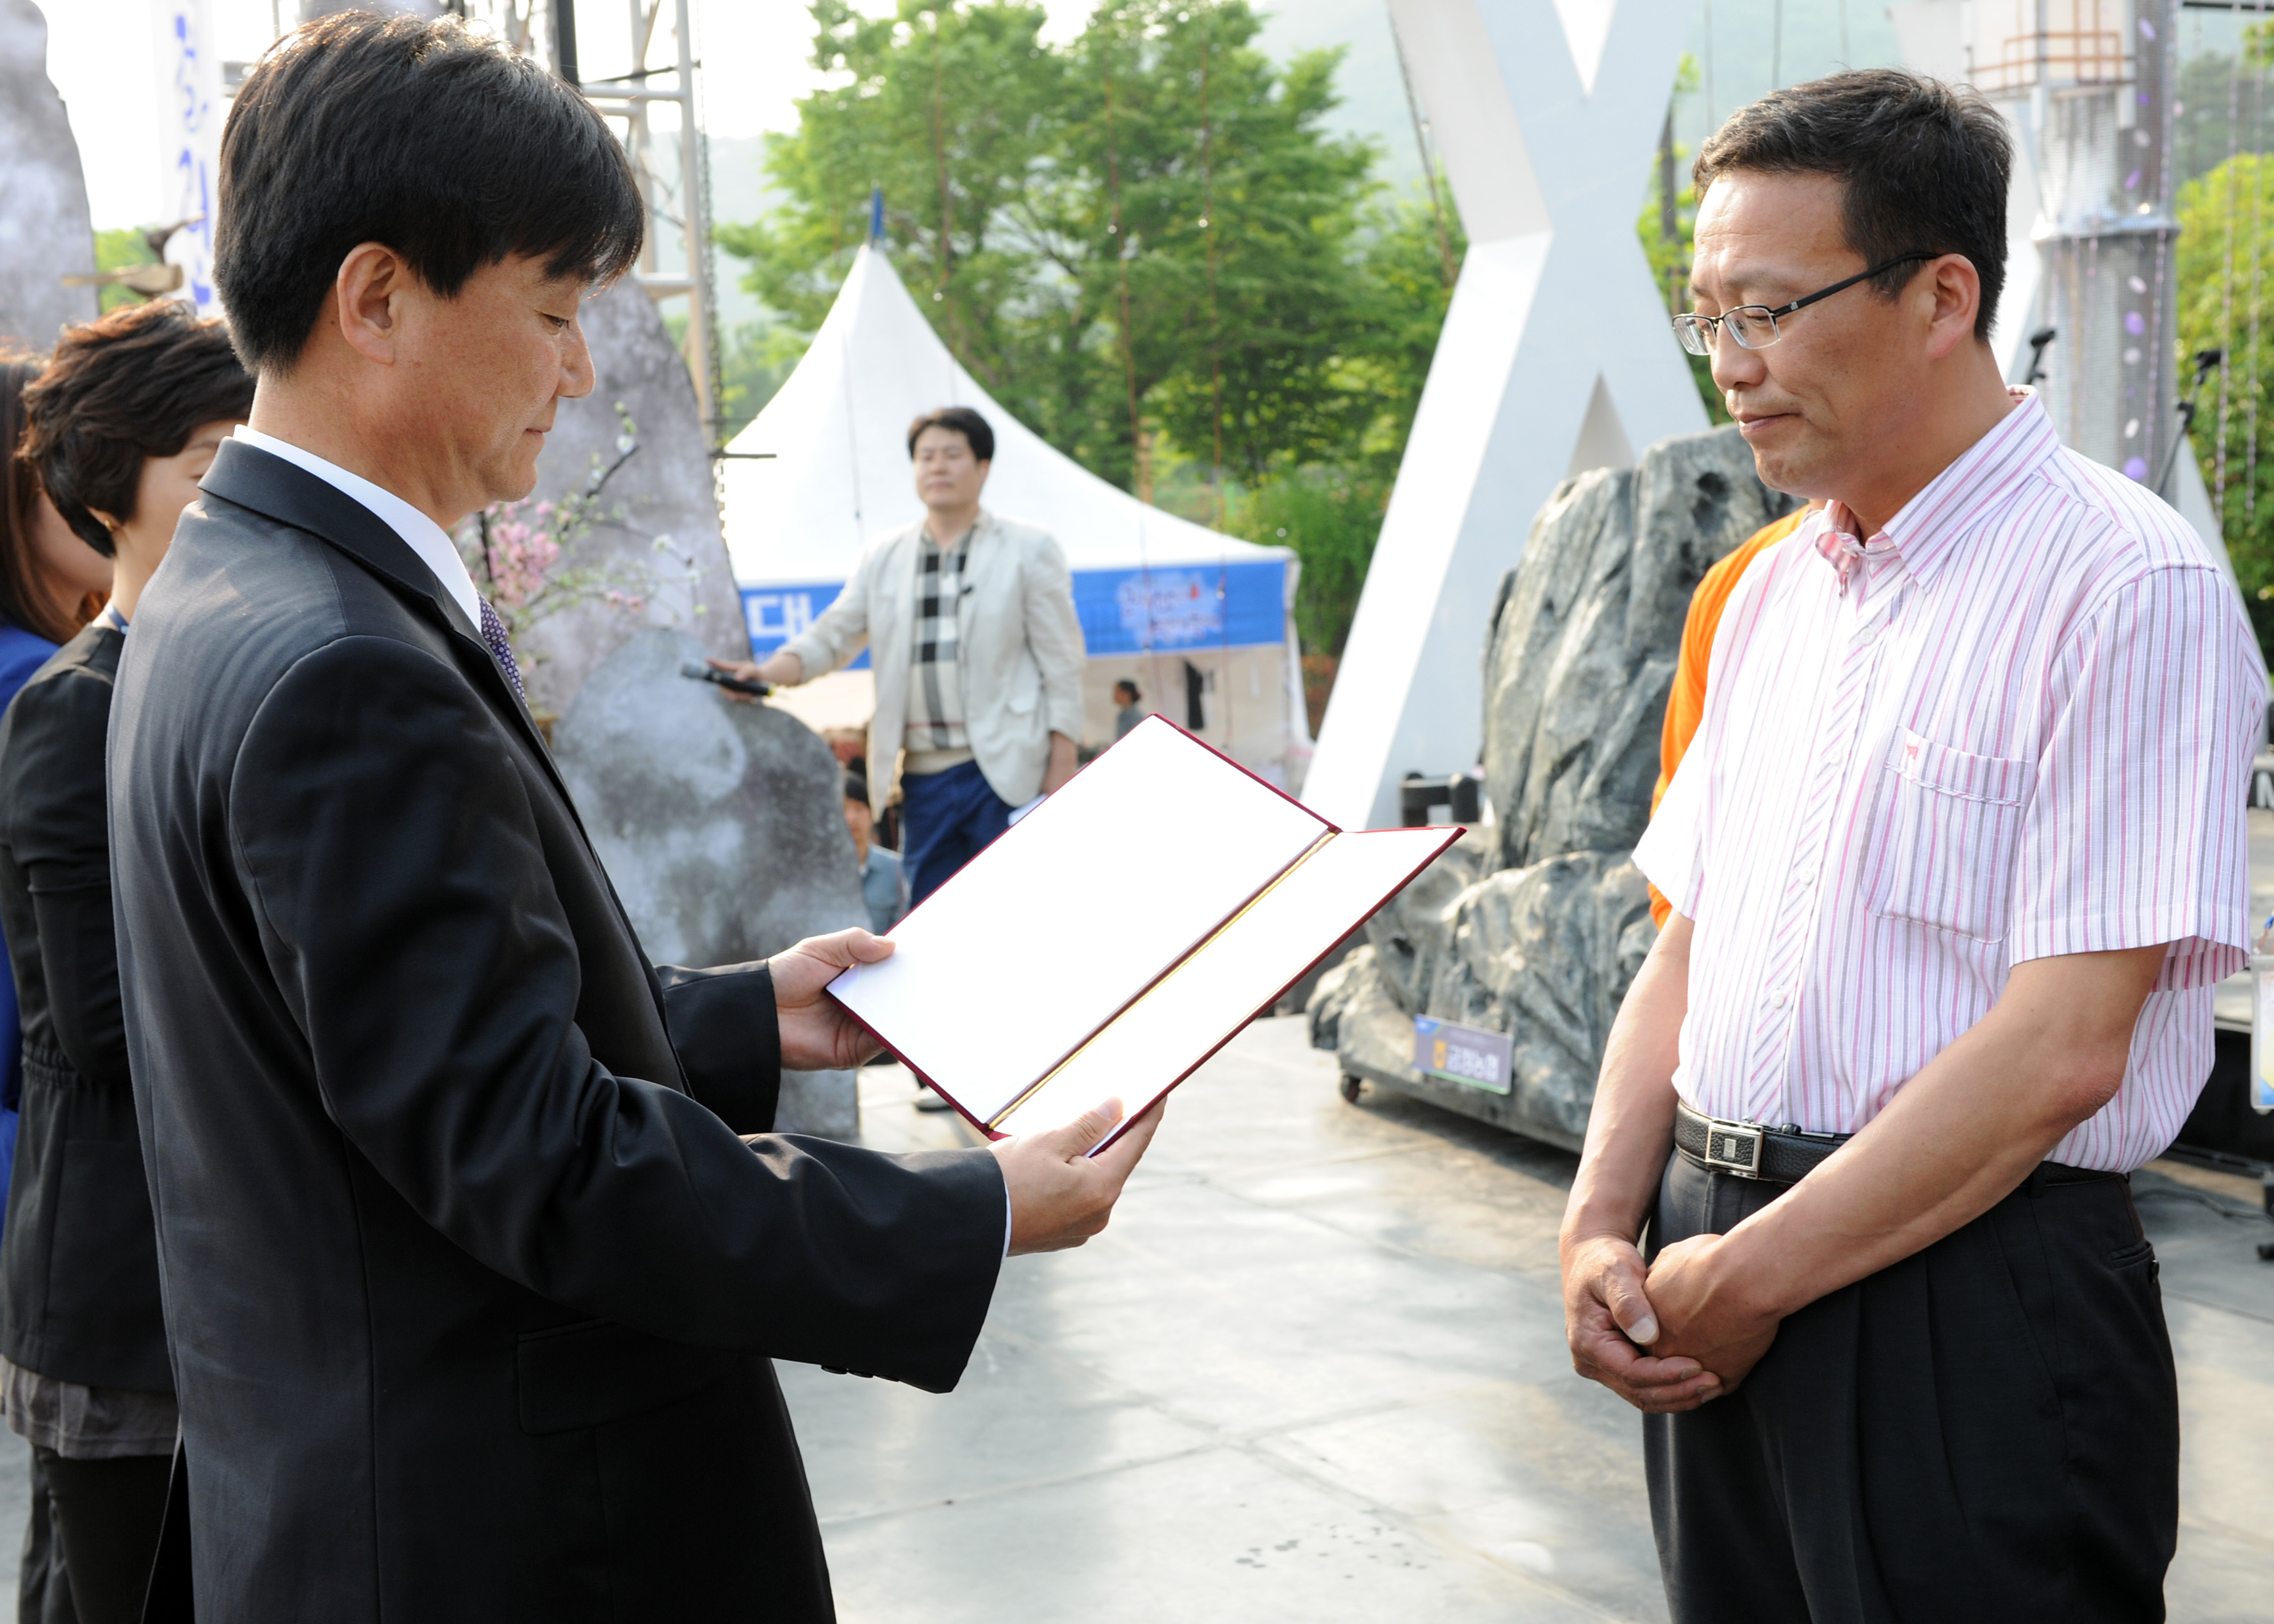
[(121, 424), (51, 584)]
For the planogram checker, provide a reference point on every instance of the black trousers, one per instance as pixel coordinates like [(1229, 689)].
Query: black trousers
[(1988, 1430), (43, 1589), (107, 1516)]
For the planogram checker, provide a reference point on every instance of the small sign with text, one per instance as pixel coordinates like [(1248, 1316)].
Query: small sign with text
[(1461, 1054)]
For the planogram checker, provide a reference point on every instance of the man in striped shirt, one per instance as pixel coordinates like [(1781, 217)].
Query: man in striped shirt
[(1955, 858)]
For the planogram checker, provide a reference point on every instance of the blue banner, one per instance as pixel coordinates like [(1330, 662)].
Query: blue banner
[(777, 613), (1188, 606), (1122, 611)]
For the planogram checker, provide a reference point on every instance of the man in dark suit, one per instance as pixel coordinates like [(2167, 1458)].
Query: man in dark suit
[(470, 1283)]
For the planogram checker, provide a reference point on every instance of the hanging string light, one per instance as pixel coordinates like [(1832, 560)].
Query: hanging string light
[(2257, 265), (1216, 376), (2233, 214), (1137, 470), (940, 158)]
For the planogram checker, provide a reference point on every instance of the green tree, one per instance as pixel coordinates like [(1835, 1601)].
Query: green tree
[(756, 359), (1144, 242), (2222, 109), (1670, 253), (2225, 279), (949, 108), (1145, 232), (1329, 511), (115, 251), (1210, 191)]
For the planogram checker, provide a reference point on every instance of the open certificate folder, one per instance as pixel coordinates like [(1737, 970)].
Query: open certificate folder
[(1120, 934)]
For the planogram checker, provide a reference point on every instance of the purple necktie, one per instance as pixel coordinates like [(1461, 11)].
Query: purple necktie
[(493, 634)]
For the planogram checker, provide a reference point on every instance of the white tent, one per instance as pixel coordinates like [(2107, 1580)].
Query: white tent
[(1201, 622)]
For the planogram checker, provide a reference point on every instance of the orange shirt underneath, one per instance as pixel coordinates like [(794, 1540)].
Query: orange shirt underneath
[(1685, 706)]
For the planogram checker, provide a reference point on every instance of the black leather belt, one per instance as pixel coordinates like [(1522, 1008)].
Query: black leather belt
[(1780, 1155)]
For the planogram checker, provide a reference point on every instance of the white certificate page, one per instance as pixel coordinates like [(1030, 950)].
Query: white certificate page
[(1042, 937), (1214, 993)]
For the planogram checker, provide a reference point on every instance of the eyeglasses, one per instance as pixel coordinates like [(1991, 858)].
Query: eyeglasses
[(1754, 326)]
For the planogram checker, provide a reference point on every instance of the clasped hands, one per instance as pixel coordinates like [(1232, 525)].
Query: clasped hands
[(1688, 1329), (1060, 1195)]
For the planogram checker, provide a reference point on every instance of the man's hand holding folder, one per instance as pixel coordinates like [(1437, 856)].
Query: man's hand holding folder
[(1202, 894), (1060, 1195), (1211, 892)]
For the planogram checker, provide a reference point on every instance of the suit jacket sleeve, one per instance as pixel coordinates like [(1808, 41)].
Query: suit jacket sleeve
[(1054, 634), (60, 829), (722, 1023), (842, 631), (407, 909)]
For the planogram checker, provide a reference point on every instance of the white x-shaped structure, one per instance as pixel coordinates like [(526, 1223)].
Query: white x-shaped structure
[(1555, 357)]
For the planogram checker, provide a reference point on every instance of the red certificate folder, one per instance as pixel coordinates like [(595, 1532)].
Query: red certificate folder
[(1120, 934)]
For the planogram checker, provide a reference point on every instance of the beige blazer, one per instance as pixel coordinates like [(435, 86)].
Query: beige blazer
[(1020, 651)]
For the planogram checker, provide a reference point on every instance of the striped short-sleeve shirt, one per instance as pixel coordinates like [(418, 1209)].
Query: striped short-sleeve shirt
[(2018, 723)]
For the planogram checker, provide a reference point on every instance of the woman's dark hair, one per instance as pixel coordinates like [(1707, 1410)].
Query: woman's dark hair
[(25, 599), (1134, 696), (1923, 166), (965, 422), (416, 133), (123, 388)]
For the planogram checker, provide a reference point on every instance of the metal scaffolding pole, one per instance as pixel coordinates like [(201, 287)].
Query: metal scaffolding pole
[(2091, 84), (631, 97)]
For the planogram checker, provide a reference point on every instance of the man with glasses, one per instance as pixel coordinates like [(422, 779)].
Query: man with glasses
[(1956, 858)]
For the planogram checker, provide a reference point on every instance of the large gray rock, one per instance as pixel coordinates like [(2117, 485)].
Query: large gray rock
[(1584, 635), (721, 826), (657, 535), (42, 191), (1536, 925)]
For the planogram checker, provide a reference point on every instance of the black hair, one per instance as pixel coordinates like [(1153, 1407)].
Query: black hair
[(964, 421), (1922, 166), (1134, 695), (27, 600), (124, 387), (856, 785), (415, 132)]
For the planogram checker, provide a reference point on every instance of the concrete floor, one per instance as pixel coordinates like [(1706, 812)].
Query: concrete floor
[(1315, 1372)]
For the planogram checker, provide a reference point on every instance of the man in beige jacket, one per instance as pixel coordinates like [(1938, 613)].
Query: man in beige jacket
[(978, 657)]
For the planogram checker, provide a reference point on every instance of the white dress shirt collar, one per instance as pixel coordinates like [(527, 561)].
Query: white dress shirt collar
[(421, 534)]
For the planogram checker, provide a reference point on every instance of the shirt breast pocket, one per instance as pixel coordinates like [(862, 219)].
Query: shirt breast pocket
[(1951, 821)]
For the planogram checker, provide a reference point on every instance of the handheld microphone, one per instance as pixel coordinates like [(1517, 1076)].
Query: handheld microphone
[(694, 670)]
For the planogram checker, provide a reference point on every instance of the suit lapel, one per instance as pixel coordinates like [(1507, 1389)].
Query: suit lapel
[(251, 477), (270, 485), (981, 559)]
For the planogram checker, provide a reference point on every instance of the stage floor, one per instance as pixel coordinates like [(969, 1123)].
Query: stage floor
[(1315, 1371)]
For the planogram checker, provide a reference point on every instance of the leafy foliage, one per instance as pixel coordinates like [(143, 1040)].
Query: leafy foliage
[(2225, 278), (115, 251), (1144, 242), (1669, 257), (1330, 516), (2222, 111)]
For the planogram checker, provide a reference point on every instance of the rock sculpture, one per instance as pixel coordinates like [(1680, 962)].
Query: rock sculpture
[(656, 537), (1535, 924), (720, 825), (42, 191)]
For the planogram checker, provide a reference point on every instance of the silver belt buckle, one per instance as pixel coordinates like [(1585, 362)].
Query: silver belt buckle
[(1733, 1147)]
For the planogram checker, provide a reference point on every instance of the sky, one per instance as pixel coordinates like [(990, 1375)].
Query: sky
[(755, 67)]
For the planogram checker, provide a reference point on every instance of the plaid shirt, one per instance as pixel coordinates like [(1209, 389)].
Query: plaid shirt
[(934, 687)]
